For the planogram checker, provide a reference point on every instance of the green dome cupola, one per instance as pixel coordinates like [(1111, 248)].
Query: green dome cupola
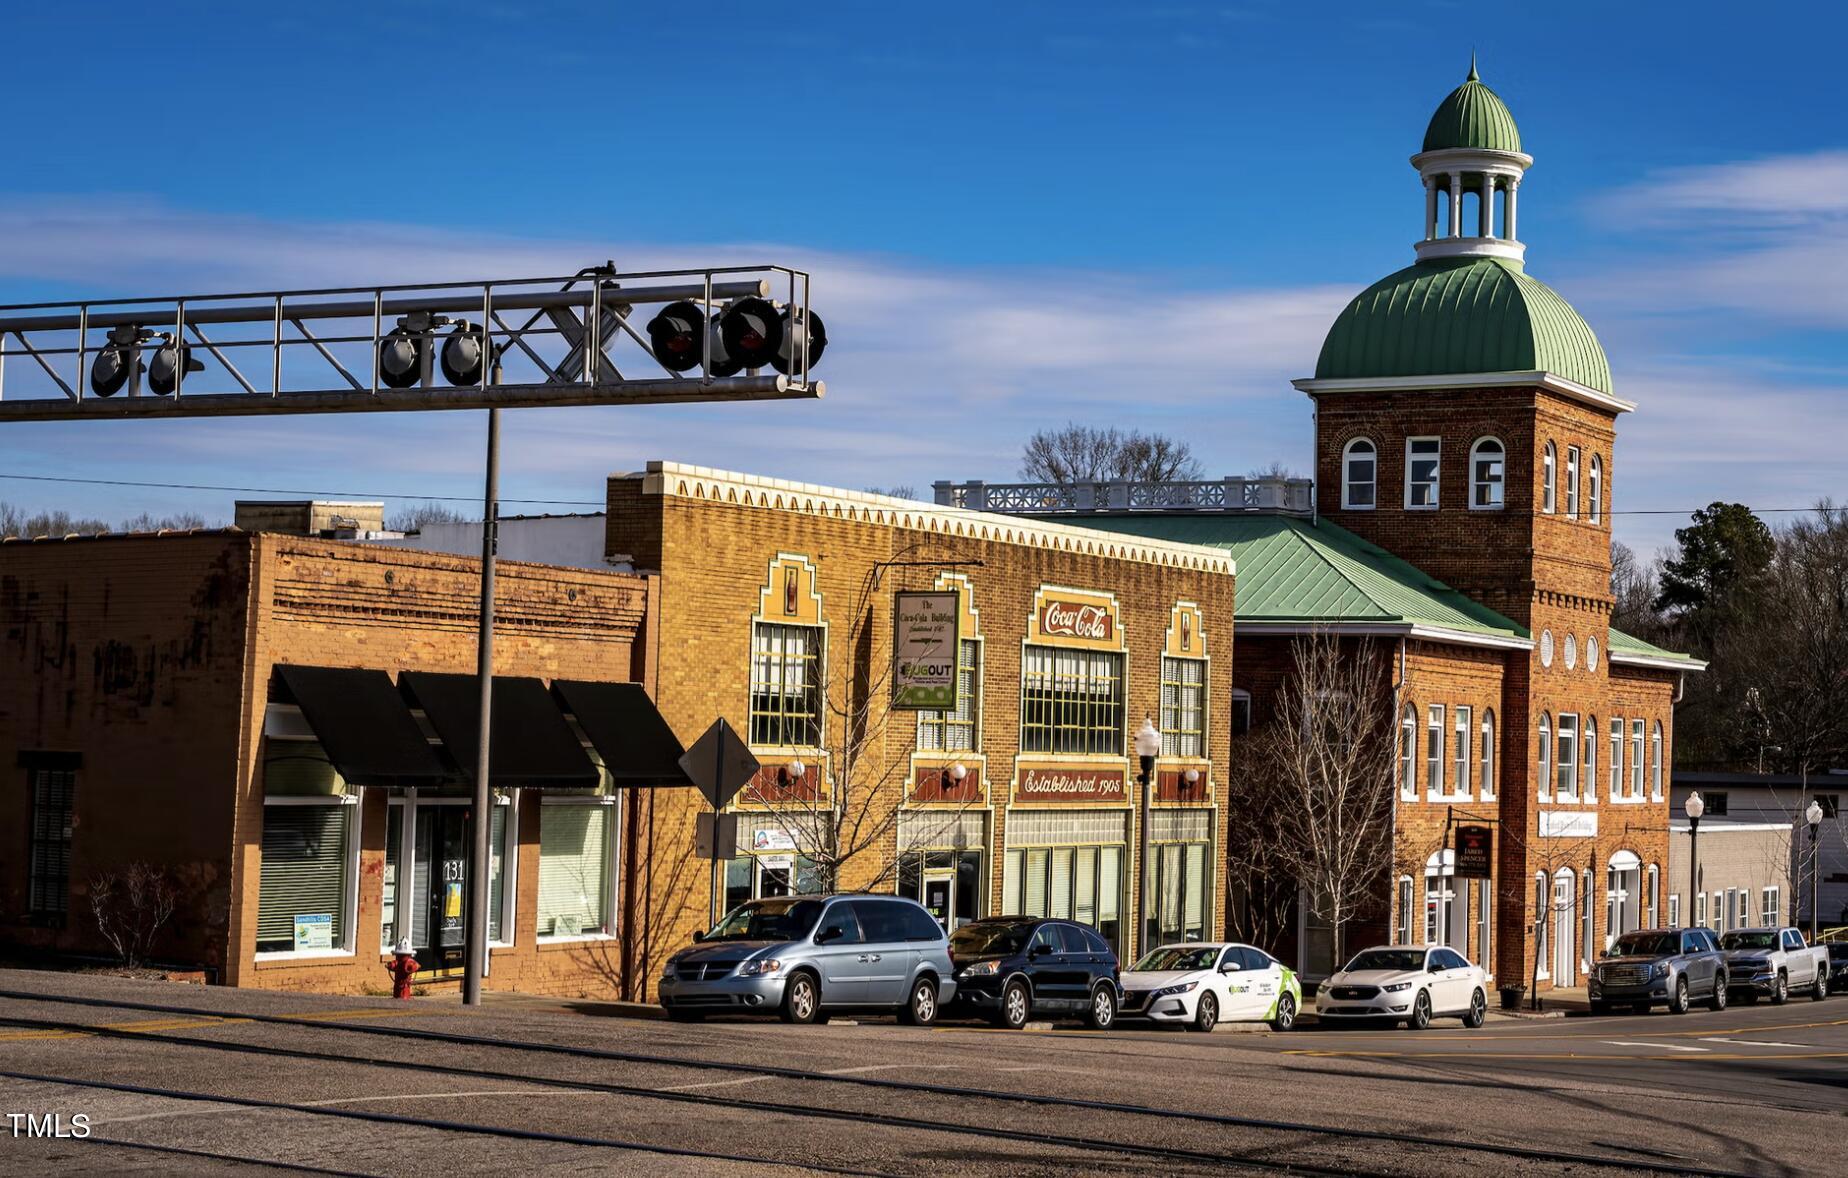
[(1473, 117)]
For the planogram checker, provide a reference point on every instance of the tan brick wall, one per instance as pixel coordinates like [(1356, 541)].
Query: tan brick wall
[(715, 555)]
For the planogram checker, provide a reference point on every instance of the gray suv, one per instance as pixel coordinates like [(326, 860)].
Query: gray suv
[(802, 957), (1659, 966)]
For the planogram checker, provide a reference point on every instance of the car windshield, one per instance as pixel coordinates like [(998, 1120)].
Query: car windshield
[(1179, 957), (1749, 940), (989, 940), (787, 919), (1394, 959), (1647, 945)]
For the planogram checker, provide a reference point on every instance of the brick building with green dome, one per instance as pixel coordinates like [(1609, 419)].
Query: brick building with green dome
[(1459, 517)]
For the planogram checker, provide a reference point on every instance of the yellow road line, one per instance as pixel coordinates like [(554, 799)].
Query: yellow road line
[(158, 1025)]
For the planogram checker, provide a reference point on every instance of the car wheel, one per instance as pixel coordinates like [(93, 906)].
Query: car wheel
[(1678, 1001), (1421, 1011), (1478, 1010), (1780, 989), (1718, 1001), (801, 1000), (921, 1010), (1101, 1015), (1206, 1014), (1285, 1019), (675, 1014), (1820, 989), (1015, 1006)]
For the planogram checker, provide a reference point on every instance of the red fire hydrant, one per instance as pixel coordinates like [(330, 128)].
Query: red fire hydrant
[(402, 968)]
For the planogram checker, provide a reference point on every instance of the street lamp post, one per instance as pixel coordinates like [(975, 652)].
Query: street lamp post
[(1695, 808), (1814, 815), (1148, 747)]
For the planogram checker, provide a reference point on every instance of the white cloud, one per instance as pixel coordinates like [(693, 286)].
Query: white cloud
[(1763, 193)]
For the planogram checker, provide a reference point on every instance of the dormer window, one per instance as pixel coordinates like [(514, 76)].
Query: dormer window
[(1359, 475), (1549, 479), (1421, 473), (1487, 465)]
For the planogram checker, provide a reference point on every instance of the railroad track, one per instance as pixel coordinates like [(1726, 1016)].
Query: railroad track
[(1249, 1158)]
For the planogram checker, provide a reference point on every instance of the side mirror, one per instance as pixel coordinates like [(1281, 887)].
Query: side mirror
[(1434, 967), (833, 932), (698, 937), (1039, 951), (1230, 967)]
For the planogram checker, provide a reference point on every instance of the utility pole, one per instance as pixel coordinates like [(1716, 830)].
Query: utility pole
[(475, 956)]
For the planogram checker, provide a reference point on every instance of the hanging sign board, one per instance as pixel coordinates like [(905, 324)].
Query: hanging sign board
[(924, 639), (1475, 851)]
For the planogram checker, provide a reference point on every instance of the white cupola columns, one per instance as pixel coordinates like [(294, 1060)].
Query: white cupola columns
[(1452, 172)]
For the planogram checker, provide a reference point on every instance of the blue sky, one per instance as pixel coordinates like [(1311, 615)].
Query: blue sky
[(1136, 215)]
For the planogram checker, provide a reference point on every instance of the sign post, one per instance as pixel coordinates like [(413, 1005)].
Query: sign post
[(720, 764), (924, 648)]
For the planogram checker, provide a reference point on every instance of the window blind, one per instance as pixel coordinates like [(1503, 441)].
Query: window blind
[(53, 793), (304, 872), (573, 864)]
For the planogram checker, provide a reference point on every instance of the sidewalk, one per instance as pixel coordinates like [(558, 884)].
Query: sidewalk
[(1561, 1002)]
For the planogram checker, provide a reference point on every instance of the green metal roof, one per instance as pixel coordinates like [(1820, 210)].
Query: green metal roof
[(1293, 570), (1630, 644), (1457, 315), (1473, 116)]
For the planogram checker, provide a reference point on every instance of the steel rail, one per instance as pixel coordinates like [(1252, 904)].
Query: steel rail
[(402, 1120), (468, 299), (1383, 1136), (505, 396)]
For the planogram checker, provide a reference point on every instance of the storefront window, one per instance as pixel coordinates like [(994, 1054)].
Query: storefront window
[(785, 685), (1181, 884), (757, 877), (1077, 883), (304, 889), (442, 832), (954, 731), (1071, 701), (574, 867), (1183, 707), (947, 883)]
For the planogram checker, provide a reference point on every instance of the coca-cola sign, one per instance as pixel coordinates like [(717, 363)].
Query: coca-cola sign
[(1051, 784), (1076, 619)]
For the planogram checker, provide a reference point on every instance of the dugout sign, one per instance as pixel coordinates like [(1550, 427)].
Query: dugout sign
[(924, 634), (1475, 852)]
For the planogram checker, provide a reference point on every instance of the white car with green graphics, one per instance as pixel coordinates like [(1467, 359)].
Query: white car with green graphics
[(1202, 984)]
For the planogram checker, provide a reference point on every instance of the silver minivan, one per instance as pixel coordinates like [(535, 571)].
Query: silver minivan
[(802, 957)]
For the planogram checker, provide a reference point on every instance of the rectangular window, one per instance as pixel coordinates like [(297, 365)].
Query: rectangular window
[(1674, 910), (1071, 701), (53, 798), (1716, 804), (1434, 750), (1716, 912), (1241, 712), (1700, 910), (1636, 759), (1043, 881), (1405, 910), (1421, 472), (1181, 887), (304, 889), (1770, 909), (1567, 758), (1616, 770), (1487, 760), (954, 731), (574, 869), (785, 685), (1572, 481), (1484, 955), (1183, 707), (1460, 772)]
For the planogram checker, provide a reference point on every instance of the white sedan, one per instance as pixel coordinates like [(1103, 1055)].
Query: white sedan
[(1407, 984), (1200, 984)]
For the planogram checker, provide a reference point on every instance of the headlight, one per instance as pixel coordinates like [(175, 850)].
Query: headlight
[(1167, 991), (1397, 987), (980, 969), (762, 965), (1659, 970), (667, 971)]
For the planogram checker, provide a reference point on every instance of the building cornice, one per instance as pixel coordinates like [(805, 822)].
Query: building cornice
[(1655, 663), (1379, 630), (1315, 386), (700, 483)]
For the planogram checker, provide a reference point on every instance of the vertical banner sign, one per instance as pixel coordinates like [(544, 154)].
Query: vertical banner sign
[(1475, 848), (924, 638)]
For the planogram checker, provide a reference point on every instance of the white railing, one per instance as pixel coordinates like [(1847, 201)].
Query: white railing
[(1269, 495)]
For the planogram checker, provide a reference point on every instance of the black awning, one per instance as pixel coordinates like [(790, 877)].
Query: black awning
[(531, 748), (637, 746), (363, 726)]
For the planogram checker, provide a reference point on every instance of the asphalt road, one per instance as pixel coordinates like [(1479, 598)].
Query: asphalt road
[(266, 1081)]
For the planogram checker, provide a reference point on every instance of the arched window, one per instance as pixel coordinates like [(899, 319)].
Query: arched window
[(1655, 762), (1487, 471), (1572, 481), (1408, 753), (1488, 755), (1460, 776), (1360, 475), (1616, 770), (1636, 760), (1546, 757), (1590, 768), (1549, 478), (1434, 750), (1597, 489)]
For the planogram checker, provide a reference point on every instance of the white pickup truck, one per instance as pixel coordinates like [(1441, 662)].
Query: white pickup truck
[(1773, 962)]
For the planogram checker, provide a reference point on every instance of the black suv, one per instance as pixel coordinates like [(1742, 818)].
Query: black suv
[(1012, 967)]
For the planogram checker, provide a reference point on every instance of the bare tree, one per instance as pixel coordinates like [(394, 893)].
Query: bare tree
[(1328, 754), (18, 521), (130, 909), (1274, 469), (850, 804), (416, 516), (896, 491), (149, 522), (1082, 453)]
